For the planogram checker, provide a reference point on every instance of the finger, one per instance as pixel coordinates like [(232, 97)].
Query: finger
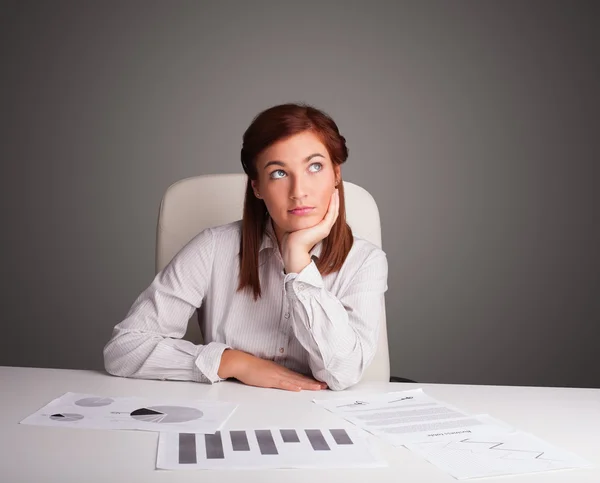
[(288, 385), (307, 383), (300, 380), (321, 229), (316, 387), (311, 386), (331, 218), (332, 212), (334, 200), (322, 384), (337, 203)]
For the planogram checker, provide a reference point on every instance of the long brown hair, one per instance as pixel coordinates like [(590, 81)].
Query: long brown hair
[(268, 127)]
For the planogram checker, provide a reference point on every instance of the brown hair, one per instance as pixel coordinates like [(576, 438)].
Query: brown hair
[(270, 126)]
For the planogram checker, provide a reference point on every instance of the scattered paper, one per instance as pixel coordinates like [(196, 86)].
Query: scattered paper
[(411, 416), (506, 454), (268, 448), (87, 411)]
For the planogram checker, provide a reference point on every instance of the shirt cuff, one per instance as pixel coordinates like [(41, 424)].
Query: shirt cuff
[(298, 284), (207, 363)]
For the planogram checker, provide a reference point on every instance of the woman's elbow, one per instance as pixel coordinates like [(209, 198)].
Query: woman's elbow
[(127, 352), (117, 362), (338, 382), (339, 376), (116, 366)]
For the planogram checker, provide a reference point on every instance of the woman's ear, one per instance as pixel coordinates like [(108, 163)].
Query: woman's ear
[(337, 169), (255, 188)]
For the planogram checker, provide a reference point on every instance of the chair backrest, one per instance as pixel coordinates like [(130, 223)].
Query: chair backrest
[(193, 204)]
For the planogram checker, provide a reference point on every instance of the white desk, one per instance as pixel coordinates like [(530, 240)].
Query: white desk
[(569, 418)]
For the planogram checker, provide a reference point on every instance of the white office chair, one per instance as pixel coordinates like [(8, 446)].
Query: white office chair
[(193, 204)]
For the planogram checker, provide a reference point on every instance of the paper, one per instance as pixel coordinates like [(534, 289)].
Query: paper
[(507, 454), (87, 411), (411, 416), (268, 448)]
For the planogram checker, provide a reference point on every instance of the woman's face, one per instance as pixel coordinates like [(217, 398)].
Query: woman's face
[(296, 179)]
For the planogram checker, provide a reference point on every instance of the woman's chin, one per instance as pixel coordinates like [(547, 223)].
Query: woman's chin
[(300, 223)]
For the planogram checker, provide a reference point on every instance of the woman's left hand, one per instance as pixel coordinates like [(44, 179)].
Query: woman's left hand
[(296, 245)]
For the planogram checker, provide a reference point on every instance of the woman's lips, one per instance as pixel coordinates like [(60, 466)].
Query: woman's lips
[(301, 211)]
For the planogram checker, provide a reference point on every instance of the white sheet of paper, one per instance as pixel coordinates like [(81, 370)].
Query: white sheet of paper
[(268, 448), (507, 454), (74, 410), (411, 416)]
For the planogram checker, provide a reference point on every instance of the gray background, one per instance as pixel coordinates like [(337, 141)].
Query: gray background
[(474, 125)]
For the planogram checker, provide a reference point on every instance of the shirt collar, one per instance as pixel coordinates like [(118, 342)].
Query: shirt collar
[(270, 240)]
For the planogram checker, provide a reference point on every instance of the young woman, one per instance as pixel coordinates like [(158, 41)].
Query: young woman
[(291, 299)]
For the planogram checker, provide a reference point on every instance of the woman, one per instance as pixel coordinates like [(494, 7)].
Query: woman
[(291, 299)]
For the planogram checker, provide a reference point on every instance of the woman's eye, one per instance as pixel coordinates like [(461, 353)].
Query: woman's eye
[(278, 173), (315, 167)]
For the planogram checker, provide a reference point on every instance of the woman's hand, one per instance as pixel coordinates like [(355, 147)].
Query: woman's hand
[(255, 371), (296, 245)]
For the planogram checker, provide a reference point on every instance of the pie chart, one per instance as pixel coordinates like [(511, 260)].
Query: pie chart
[(66, 417), (94, 402), (166, 414)]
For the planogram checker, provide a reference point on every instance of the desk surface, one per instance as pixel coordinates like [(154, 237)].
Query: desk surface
[(566, 417)]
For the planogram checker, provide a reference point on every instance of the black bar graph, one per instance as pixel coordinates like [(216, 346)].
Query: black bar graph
[(265, 442), (269, 447), (289, 436), (214, 446), (187, 449), (340, 436), (317, 440), (239, 441)]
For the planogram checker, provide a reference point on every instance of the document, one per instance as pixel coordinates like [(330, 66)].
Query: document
[(411, 416), (236, 449), (506, 454), (74, 410)]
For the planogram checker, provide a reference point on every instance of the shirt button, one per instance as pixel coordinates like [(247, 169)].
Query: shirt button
[(287, 315), (281, 350)]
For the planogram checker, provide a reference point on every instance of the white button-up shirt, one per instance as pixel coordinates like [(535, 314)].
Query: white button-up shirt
[(325, 326)]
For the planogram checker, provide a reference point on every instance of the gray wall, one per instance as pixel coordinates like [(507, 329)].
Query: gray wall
[(474, 124)]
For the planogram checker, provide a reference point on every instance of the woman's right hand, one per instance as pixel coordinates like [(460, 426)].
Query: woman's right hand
[(255, 371)]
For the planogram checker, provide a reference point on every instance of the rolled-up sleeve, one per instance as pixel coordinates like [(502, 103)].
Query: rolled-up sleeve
[(147, 344), (340, 333)]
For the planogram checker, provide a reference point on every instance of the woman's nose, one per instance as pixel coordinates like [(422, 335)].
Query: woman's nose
[(297, 189)]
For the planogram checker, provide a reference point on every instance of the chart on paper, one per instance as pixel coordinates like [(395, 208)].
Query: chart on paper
[(166, 414), (267, 448), (94, 402), (66, 417), (88, 411), (508, 454)]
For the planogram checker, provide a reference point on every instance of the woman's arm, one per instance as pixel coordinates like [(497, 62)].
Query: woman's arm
[(147, 344), (341, 333)]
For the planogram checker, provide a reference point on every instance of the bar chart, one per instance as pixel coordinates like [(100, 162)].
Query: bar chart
[(267, 448)]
